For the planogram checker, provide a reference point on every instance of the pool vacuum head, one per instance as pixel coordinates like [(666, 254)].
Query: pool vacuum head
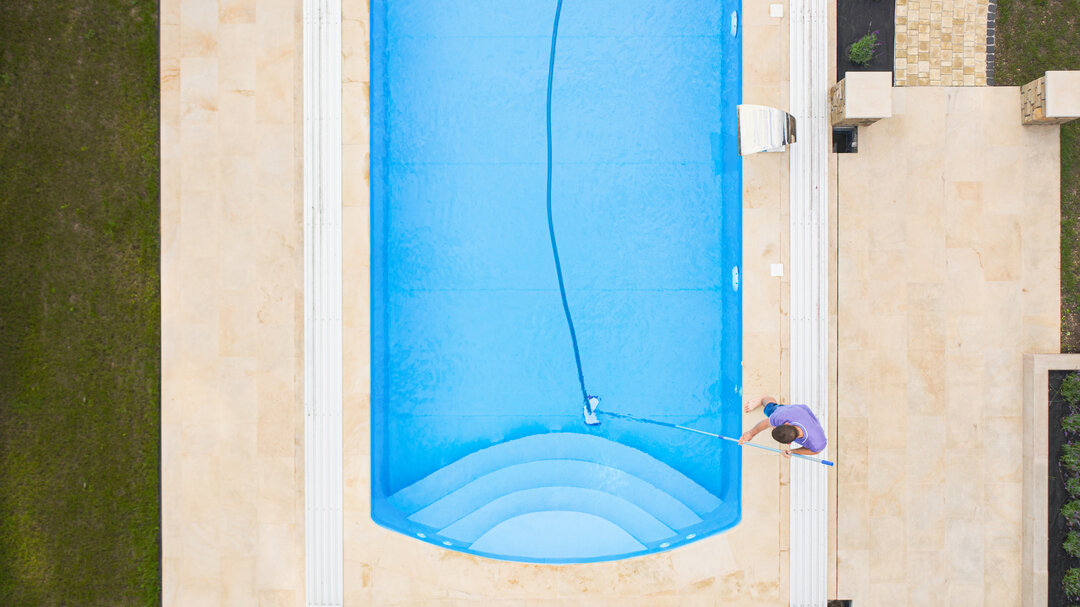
[(590, 411)]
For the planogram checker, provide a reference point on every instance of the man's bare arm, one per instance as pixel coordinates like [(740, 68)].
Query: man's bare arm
[(752, 432)]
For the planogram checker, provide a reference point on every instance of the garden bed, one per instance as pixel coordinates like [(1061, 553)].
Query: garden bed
[(1059, 561), (855, 19)]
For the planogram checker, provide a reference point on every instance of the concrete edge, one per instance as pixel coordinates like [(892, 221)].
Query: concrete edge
[(1034, 584)]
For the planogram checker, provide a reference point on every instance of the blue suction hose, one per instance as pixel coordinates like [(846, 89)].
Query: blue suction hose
[(551, 223)]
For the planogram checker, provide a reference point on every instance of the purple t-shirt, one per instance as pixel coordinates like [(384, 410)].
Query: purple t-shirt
[(801, 416)]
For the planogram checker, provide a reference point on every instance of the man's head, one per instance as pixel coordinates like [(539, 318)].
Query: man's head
[(785, 433)]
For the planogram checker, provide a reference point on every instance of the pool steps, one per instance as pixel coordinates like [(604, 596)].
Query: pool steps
[(563, 473), (495, 499)]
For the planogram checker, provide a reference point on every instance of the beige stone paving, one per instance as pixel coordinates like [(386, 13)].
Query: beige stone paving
[(231, 276), (948, 273), (940, 43)]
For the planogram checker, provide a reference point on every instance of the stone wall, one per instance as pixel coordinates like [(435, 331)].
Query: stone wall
[(839, 108), (1033, 98)]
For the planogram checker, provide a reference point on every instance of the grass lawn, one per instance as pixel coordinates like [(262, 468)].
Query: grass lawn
[(1034, 36), (79, 303)]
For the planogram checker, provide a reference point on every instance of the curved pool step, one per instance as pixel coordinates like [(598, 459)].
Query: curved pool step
[(565, 536), (555, 446), (563, 473), (638, 523)]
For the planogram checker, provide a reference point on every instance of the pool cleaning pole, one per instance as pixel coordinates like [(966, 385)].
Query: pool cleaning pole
[(734, 440)]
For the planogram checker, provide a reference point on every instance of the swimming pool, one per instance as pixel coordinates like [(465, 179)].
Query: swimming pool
[(478, 440)]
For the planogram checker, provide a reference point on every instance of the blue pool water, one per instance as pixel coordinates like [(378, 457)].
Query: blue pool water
[(478, 441)]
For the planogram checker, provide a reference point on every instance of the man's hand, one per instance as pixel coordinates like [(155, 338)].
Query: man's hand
[(786, 453), (749, 434)]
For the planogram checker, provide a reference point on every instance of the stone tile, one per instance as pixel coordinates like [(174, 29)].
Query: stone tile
[(1001, 577), (925, 260), (964, 556), (888, 553), (355, 176), (236, 49), (966, 594), (274, 569), (1002, 306), (276, 67), (926, 381), (963, 398), (887, 482), (851, 444), (237, 323), (926, 449), (198, 27), (201, 591), (1002, 382), (354, 113), (964, 281), (276, 598), (1001, 247), (1003, 527), (926, 324), (1004, 193), (1004, 461), (276, 486), (236, 11), (927, 583), (238, 580), (925, 516), (768, 62), (1042, 333), (201, 555), (276, 429)]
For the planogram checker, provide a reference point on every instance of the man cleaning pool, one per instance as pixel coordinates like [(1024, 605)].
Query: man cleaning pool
[(790, 424)]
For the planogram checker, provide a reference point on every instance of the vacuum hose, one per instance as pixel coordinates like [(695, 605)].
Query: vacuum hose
[(551, 224)]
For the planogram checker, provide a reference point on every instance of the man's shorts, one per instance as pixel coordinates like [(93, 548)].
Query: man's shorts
[(769, 408)]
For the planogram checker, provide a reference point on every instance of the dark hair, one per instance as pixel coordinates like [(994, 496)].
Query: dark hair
[(785, 433)]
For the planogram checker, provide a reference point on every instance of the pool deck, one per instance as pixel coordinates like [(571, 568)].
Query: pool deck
[(948, 273), (945, 225)]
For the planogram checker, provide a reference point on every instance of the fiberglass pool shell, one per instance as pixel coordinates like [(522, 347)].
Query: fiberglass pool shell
[(478, 441)]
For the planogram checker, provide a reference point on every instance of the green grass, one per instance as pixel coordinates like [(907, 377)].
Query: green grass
[(79, 303), (1034, 36)]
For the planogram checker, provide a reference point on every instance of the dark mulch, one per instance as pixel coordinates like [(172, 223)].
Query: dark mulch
[(855, 19), (1059, 561)]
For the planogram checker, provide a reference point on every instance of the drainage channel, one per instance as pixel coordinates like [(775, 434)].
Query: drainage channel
[(809, 252)]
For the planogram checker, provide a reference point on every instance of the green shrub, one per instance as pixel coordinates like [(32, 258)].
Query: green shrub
[(1070, 457), (1072, 544), (1071, 423), (1071, 583), (1070, 388), (1072, 485), (1071, 512), (862, 51)]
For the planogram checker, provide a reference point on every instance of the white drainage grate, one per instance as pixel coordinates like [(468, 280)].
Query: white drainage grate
[(808, 581), (322, 303)]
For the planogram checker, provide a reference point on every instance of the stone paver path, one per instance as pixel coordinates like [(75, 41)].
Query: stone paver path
[(941, 42)]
